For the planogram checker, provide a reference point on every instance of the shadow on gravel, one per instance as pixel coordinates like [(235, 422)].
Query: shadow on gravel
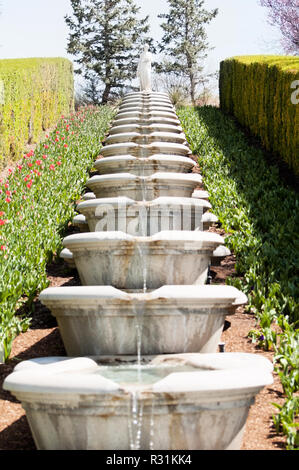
[(17, 436)]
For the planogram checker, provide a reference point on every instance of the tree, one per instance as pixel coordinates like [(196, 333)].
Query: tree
[(285, 15), (185, 40), (107, 37)]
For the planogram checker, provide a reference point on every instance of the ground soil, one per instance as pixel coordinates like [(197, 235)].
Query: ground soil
[(43, 339)]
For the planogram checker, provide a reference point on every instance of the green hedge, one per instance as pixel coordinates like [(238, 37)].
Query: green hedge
[(257, 91), (33, 94)]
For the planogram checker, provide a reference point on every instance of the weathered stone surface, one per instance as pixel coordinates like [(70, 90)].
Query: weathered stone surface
[(144, 218), (144, 166), (146, 188), (146, 139), (143, 129), (202, 402), (126, 262), (173, 319), (145, 150)]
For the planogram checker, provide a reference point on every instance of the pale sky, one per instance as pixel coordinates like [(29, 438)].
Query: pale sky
[(36, 28)]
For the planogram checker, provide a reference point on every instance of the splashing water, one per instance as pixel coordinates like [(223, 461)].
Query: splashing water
[(135, 423), (152, 426)]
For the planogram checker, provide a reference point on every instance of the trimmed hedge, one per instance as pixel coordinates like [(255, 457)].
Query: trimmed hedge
[(33, 94), (257, 91)]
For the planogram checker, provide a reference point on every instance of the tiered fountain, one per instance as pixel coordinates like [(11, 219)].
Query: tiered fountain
[(142, 332)]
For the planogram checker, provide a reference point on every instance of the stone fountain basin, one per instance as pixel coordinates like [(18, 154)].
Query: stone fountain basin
[(218, 256), (146, 95), (146, 188), (126, 262), (143, 139), (143, 150), (142, 217), (149, 97), (144, 166), (146, 105), (190, 401), (147, 121), (146, 114), (173, 319), (145, 130)]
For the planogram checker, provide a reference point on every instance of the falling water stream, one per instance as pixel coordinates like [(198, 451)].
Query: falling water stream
[(136, 404)]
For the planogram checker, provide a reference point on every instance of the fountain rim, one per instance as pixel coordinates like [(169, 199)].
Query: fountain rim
[(177, 202), (152, 135), (178, 294), (188, 240), (160, 176), (219, 374), (175, 129), (156, 157), (146, 121)]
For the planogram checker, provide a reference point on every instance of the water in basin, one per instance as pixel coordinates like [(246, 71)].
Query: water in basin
[(136, 374)]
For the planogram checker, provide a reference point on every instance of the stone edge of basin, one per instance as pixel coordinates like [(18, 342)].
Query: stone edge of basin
[(205, 240), (160, 201), (226, 373), (180, 294), (158, 157), (160, 176)]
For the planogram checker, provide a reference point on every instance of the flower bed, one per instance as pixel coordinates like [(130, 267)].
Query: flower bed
[(260, 213), (37, 200)]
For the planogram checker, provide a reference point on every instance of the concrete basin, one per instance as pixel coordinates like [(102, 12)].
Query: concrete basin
[(173, 319), (146, 188), (126, 262), (169, 402), (144, 166), (140, 218)]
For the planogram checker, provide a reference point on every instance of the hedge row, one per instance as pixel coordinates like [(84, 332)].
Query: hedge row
[(261, 92), (33, 94)]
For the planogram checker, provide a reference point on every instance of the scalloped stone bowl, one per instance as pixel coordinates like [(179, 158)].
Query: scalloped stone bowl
[(147, 95), (126, 262), (146, 120), (146, 114), (147, 99), (146, 139), (143, 129), (103, 320), (143, 217), (145, 150), (146, 104), (146, 188), (144, 166), (169, 402)]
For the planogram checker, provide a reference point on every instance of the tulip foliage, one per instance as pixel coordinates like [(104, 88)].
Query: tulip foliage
[(37, 201), (260, 214)]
